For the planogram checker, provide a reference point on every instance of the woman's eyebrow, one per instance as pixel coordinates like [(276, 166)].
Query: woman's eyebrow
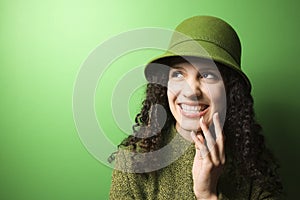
[(210, 68), (177, 67)]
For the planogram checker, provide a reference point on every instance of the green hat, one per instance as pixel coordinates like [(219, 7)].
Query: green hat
[(205, 37)]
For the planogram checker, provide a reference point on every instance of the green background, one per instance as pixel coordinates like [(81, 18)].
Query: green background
[(44, 43)]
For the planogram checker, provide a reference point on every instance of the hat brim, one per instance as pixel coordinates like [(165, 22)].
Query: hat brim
[(188, 49)]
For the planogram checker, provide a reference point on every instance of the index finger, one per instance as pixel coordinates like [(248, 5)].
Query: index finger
[(218, 128)]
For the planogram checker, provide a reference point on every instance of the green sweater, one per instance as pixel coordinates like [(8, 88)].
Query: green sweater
[(175, 182)]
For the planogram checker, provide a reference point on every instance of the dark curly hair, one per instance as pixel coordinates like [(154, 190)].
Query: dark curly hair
[(244, 144)]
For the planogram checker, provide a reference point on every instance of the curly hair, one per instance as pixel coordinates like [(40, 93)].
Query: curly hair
[(244, 144)]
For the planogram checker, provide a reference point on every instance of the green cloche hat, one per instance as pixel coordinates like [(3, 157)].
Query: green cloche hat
[(205, 37)]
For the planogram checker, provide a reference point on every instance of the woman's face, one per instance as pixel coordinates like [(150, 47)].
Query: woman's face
[(195, 89)]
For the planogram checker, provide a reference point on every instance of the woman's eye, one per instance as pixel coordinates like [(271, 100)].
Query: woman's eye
[(177, 74), (208, 76)]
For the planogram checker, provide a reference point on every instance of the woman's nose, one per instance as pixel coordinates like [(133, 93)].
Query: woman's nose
[(192, 89)]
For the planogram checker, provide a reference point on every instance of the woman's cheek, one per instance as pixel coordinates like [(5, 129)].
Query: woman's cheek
[(174, 88)]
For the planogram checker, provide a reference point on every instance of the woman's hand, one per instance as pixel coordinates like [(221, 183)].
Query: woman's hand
[(209, 160)]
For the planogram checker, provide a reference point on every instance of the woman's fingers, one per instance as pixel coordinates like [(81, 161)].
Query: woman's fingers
[(210, 142), (201, 150), (218, 128), (208, 161), (214, 147), (206, 144), (219, 137)]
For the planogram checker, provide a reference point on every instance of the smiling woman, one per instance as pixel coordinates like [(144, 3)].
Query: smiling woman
[(195, 89), (197, 93)]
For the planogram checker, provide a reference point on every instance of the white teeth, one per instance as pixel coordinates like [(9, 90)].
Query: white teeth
[(188, 108)]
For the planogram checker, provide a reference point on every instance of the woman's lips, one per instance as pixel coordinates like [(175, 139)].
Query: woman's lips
[(193, 111)]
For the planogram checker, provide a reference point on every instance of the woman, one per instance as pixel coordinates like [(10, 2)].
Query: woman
[(196, 97)]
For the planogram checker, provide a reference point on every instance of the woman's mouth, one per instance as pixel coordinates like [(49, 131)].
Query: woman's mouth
[(193, 110)]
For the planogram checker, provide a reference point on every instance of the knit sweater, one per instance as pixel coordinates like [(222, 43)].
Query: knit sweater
[(175, 181)]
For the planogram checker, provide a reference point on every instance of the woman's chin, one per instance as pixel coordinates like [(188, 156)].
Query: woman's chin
[(190, 127)]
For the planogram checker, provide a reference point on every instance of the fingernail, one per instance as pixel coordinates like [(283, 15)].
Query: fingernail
[(216, 115), (193, 135), (201, 119)]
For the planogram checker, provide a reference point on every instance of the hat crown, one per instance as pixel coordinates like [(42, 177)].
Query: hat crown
[(204, 37), (212, 30)]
